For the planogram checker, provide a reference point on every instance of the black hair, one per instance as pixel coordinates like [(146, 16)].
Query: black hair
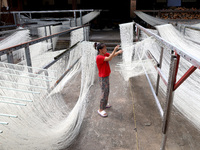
[(98, 46)]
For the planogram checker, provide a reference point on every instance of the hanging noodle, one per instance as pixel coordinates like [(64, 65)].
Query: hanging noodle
[(15, 39), (39, 116), (187, 101)]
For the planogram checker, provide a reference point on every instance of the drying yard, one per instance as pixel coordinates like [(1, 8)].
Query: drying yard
[(49, 84)]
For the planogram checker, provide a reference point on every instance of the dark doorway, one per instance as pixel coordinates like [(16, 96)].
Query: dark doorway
[(113, 12)]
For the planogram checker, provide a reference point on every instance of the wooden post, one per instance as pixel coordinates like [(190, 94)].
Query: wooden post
[(74, 4), (133, 8)]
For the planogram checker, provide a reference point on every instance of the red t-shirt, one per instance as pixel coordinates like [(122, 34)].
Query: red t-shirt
[(103, 66)]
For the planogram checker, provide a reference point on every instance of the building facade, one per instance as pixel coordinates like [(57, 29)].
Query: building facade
[(120, 11)]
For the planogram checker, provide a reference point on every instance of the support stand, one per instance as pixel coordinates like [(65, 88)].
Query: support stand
[(169, 100)]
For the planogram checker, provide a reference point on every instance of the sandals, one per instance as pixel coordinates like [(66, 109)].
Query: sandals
[(108, 105), (102, 113)]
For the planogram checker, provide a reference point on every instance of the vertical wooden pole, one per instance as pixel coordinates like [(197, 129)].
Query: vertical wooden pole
[(133, 8), (74, 4)]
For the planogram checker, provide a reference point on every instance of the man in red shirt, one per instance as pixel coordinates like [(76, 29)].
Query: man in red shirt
[(103, 66)]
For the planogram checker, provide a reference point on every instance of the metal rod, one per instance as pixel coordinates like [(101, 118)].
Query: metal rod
[(162, 76), (81, 23), (51, 38), (27, 28), (7, 115), (52, 19), (58, 57), (160, 65), (45, 31), (47, 11), (66, 51), (4, 123), (58, 81), (177, 66), (28, 57), (13, 103), (7, 26), (28, 73), (184, 77), (169, 100), (20, 66), (160, 73), (19, 90), (23, 76), (170, 11), (75, 19), (154, 94), (15, 21), (191, 27), (32, 86), (16, 47), (20, 19), (17, 99), (10, 57), (187, 56), (155, 97)]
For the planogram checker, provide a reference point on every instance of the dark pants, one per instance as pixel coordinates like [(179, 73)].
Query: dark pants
[(105, 86)]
